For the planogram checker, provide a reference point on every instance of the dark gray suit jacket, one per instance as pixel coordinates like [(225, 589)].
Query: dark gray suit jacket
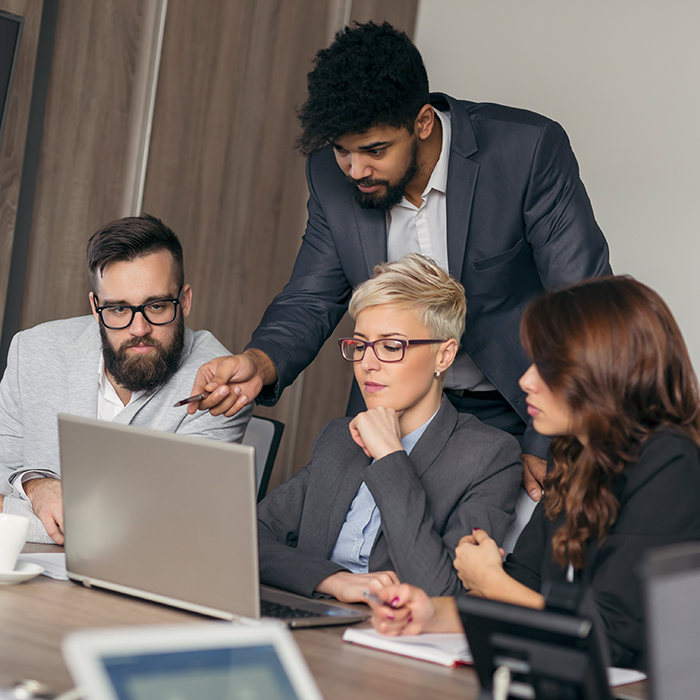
[(518, 222), (461, 474)]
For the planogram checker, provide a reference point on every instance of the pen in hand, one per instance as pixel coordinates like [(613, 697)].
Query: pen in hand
[(368, 595), (191, 399), (374, 598)]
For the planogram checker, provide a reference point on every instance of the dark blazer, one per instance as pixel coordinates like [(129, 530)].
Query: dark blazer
[(658, 497), (461, 474), (518, 222)]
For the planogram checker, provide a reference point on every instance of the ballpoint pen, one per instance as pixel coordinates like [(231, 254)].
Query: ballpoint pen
[(190, 399)]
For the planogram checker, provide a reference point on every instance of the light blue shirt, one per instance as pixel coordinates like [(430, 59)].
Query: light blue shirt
[(356, 538)]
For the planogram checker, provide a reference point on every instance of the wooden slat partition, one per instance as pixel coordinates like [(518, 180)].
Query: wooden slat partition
[(14, 139), (221, 169), (90, 127)]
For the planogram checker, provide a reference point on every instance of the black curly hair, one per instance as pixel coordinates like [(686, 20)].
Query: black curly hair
[(371, 74)]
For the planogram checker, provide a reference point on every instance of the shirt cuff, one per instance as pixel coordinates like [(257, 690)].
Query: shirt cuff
[(18, 479)]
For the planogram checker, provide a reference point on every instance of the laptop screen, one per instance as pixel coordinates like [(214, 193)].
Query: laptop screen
[(238, 673)]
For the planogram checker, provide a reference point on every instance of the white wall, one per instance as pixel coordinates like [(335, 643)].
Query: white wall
[(623, 78)]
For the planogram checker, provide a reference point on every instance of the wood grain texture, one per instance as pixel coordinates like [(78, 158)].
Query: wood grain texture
[(90, 125), (14, 139), (34, 617), (401, 13), (223, 171)]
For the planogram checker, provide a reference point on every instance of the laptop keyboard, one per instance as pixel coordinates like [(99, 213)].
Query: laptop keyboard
[(284, 612)]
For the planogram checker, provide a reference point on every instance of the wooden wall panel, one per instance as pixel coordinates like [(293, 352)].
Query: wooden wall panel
[(401, 13), (223, 172), (14, 139), (222, 169), (86, 166)]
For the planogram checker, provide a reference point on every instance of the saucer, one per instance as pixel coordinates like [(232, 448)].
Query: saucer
[(23, 572)]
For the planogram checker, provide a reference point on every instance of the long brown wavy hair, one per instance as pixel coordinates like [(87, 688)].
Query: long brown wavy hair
[(612, 351)]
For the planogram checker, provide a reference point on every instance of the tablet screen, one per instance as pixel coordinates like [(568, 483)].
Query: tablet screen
[(235, 673)]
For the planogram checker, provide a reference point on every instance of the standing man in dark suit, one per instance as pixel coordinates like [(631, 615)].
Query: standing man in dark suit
[(491, 193)]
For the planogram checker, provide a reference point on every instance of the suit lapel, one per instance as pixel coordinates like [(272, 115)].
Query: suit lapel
[(83, 378), (434, 438), (371, 231), (422, 457), (461, 180), (128, 413), (349, 483)]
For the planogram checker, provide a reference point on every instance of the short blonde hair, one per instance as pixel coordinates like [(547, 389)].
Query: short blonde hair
[(416, 282)]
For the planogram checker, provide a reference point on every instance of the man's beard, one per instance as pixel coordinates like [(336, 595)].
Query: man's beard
[(137, 372), (393, 194)]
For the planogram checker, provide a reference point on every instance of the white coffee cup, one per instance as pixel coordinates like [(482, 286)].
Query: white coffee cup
[(13, 535)]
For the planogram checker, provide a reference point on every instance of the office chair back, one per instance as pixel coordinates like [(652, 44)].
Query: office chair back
[(264, 434)]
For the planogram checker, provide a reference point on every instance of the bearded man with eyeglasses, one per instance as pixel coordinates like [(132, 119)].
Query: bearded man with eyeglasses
[(129, 362)]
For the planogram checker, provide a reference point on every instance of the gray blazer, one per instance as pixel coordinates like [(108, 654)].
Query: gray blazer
[(461, 474), (519, 222), (53, 368)]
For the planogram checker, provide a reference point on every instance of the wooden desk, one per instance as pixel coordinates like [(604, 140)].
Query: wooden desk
[(34, 617)]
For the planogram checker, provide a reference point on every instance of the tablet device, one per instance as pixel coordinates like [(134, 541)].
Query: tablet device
[(217, 661)]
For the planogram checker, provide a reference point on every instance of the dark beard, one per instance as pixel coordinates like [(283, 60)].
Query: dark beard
[(393, 194), (143, 372)]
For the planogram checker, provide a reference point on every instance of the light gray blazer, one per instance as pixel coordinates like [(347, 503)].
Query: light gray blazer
[(461, 474), (53, 368)]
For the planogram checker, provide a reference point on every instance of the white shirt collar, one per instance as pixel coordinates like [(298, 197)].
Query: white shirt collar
[(107, 392), (438, 178)]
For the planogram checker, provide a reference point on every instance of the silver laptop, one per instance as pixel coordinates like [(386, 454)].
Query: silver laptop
[(172, 519)]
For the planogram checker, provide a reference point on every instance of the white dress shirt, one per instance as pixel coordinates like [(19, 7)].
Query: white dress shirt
[(423, 230), (109, 405)]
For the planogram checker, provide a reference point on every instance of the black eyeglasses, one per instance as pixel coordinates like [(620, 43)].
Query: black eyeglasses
[(385, 349), (116, 317)]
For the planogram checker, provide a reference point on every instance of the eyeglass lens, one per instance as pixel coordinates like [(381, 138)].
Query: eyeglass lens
[(158, 313), (386, 350)]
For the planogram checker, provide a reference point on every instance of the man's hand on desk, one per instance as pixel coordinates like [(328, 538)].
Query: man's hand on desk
[(232, 382), (350, 588), (45, 497)]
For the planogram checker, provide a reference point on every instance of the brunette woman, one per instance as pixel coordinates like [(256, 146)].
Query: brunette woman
[(611, 379)]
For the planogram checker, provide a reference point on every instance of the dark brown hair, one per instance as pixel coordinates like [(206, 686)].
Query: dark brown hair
[(611, 349), (130, 238)]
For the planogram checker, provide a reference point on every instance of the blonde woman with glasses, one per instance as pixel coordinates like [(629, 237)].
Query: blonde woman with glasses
[(388, 494)]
